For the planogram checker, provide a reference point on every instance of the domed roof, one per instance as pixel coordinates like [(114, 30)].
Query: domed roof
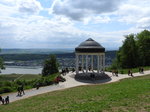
[(90, 45)]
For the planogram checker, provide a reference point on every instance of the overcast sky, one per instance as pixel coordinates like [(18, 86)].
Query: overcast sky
[(66, 23)]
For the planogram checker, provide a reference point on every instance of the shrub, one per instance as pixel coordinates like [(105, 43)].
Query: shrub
[(122, 72), (62, 79), (5, 89), (9, 86), (19, 82), (7, 83), (50, 66)]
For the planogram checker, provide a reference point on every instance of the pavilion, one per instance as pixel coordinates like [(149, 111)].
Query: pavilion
[(90, 54)]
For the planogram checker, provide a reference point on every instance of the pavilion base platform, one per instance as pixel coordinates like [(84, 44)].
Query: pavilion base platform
[(98, 77)]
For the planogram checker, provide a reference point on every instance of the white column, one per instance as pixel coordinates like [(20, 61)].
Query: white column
[(103, 62), (86, 63), (92, 62), (77, 64), (98, 64), (82, 62)]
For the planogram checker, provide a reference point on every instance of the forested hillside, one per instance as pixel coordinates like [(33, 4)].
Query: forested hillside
[(29, 57)]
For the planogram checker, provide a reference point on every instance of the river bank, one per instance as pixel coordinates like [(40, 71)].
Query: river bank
[(21, 70)]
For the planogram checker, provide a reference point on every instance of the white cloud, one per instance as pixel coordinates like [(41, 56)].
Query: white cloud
[(100, 19), (29, 6), (18, 7), (79, 9), (39, 31), (144, 23), (135, 12), (22, 26), (8, 2), (6, 10)]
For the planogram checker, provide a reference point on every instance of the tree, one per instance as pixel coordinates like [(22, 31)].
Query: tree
[(1, 63), (127, 54), (143, 43), (50, 66), (135, 51)]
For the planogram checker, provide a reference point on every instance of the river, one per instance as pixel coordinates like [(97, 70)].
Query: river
[(21, 70)]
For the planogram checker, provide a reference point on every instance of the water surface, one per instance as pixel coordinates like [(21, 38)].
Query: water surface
[(22, 70)]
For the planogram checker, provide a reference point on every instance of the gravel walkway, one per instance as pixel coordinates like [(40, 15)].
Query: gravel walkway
[(70, 82)]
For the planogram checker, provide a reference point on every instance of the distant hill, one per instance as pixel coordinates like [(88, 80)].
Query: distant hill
[(38, 51), (65, 59), (35, 51), (30, 56)]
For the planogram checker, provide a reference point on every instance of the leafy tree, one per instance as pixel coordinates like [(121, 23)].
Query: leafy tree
[(115, 65), (50, 66), (143, 42), (1, 63), (135, 51), (127, 54)]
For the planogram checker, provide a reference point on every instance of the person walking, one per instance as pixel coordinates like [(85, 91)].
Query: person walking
[(73, 70), (116, 73), (142, 70), (113, 72), (19, 91), (1, 98), (67, 70), (22, 89), (3, 101), (7, 100), (37, 85), (131, 73)]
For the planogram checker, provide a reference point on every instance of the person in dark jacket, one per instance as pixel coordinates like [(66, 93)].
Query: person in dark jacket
[(129, 72), (7, 100), (1, 98), (19, 90), (22, 89), (37, 85), (142, 70)]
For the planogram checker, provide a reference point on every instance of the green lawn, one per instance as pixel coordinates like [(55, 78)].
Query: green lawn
[(12, 77), (129, 95), (125, 71), (10, 83)]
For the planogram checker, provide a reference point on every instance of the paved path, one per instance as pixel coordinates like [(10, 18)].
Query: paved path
[(70, 82)]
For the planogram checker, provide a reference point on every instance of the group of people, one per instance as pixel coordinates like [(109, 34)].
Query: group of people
[(115, 73), (20, 90), (73, 70), (81, 69), (57, 80), (141, 70), (130, 73), (4, 100), (64, 71)]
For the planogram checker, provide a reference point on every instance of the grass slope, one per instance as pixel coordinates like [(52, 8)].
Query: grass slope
[(10, 83), (19, 76), (125, 71), (131, 95)]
